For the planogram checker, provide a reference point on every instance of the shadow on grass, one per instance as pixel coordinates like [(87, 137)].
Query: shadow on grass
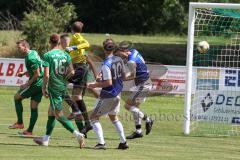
[(16, 144), (3, 133), (51, 146), (202, 136)]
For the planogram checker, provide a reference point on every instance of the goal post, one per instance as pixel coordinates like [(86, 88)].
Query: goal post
[(207, 73)]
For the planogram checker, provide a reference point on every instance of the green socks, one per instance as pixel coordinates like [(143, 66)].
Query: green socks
[(79, 124), (19, 111), (50, 125), (33, 119), (63, 120), (66, 123)]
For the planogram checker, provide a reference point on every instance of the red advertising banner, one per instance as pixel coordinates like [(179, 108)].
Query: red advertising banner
[(9, 68), (171, 82), (166, 79)]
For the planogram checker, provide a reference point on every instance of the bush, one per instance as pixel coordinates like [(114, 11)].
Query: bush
[(44, 19)]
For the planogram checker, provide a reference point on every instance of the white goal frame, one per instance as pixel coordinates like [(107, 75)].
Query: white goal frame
[(189, 63)]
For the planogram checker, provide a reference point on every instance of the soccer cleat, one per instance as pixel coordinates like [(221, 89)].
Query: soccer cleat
[(100, 146), (16, 126), (73, 115), (123, 146), (25, 133), (135, 135), (40, 141), (149, 126), (80, 139)]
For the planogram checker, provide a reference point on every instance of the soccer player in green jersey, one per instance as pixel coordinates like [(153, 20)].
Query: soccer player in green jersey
[(32, 88), (57, 69), (64, 42)]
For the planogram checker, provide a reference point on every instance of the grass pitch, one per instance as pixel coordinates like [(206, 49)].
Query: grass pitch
[(166, 141)]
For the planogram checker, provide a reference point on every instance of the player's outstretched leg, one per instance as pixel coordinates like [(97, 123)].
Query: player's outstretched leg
[(19, 111), (69, 126), (33, 119), (66, 123)]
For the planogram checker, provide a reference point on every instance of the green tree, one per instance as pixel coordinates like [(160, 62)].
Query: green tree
[(44, 19)]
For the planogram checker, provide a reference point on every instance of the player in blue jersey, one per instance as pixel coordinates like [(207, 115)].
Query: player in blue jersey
[(110, 80), (139, 73)]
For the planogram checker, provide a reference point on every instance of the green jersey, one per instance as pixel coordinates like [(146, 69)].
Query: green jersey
[(33, 62), (58, 61)]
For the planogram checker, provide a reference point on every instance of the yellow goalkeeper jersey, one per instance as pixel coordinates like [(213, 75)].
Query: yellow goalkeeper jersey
[(78, 55)]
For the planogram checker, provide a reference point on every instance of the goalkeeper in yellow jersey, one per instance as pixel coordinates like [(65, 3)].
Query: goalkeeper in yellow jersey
[(80, 61)]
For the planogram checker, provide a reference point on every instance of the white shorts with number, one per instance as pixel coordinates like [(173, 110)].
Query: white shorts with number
[(140, 92), (109, 106)]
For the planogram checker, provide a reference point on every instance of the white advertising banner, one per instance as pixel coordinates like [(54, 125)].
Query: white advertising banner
[(230, 80), (216, 106), (166, 79), (9, 68)]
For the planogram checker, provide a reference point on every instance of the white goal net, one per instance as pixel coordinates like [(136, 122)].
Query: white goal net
[(212, 104)]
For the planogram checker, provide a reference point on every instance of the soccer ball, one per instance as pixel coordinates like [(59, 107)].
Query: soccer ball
[(203, 47)]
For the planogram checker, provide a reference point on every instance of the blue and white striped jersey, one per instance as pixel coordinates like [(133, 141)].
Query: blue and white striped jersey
[(112, 68), (142, 73)]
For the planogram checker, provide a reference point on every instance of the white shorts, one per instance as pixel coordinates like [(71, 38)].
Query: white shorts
[(140, 92), (105, 106)]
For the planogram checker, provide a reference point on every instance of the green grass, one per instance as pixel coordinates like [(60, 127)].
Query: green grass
[(96, 39), (9, 37), (165, 142)]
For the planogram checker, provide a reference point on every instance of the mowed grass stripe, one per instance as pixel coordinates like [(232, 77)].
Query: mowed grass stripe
[(165, 142)]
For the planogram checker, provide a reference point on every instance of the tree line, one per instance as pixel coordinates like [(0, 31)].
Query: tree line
[(120, 17)]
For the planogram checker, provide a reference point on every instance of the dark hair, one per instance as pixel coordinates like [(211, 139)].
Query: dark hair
[(109, 45), (125, 46), (63, 35), (24, 42), (77, 26), (54, 39)]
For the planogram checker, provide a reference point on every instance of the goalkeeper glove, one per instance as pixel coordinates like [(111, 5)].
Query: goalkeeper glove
[(71, 48)]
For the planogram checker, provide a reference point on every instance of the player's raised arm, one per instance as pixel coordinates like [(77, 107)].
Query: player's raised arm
[(83, 43), (77, 42)]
